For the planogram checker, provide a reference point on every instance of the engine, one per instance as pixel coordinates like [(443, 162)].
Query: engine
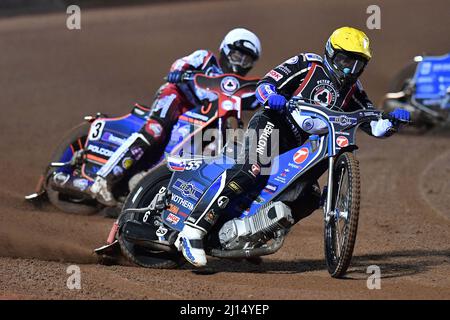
[(243, 233)]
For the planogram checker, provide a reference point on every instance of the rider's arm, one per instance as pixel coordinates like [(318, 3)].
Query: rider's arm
[(250, 103), (198, 60), (285, 78), (382, 128)]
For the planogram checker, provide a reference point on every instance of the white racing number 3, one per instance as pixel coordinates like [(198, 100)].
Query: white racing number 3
[(96, 130)]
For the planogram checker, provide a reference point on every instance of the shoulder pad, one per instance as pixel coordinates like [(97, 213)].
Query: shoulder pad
[(312, 57), (292, 60), (197, 58), (201, 52)]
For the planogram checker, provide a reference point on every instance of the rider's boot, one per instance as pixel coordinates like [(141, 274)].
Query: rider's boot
[(115, 168), (190, 243), (100, 190)]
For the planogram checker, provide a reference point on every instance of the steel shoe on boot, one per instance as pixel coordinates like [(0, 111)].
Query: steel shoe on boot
[(190, 243), (100, 192)]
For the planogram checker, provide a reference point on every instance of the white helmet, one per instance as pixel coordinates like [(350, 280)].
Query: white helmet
[(239, 49)]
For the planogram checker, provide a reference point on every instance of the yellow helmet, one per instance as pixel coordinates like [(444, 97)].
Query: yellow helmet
[(352, 40), (347, 52)]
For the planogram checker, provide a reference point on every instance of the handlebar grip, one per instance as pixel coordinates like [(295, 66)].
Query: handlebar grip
[(185, 75), (392, 119)]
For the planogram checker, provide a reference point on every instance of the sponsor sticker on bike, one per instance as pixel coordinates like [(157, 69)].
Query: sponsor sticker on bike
[(301, 155), (282, 177), (181, 213), (342, 141), (173, 219), (175, 164), (290, 164), (343, 120), (229, 84), (109, 137), (182, 202), (255, 170), (173, 208), (211, 216), (235, 187), (154, 129), (137, 152), (187, 189), (271, 188), (227, 105), (127, 163), (101, 151)]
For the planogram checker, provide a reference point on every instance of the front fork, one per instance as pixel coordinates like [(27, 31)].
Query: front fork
[(328, 212)]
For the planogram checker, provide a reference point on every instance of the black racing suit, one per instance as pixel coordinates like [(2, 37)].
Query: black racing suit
[(305, 76)]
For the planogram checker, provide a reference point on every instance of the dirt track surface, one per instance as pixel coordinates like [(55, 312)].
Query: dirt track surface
[(50, 77)]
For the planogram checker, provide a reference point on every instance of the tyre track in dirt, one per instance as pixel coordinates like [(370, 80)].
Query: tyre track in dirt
[(51, 77), (435, 183)]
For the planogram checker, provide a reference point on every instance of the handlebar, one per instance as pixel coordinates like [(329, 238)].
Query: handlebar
[(187, 75), (362, 115)]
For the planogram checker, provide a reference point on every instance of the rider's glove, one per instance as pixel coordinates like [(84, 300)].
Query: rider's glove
[(382, 128), (174, 76), (276, 102), (399, 115)]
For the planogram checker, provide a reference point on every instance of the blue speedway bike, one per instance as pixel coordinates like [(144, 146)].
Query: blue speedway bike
[(259, 220), (423, 89)]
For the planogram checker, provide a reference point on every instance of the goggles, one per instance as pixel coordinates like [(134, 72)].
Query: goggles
[(241, 59), (349, 65)]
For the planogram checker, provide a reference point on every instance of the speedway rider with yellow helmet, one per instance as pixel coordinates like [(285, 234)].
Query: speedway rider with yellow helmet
[(331, 81)]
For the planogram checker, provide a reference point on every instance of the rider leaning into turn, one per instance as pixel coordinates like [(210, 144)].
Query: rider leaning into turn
[(330, 81), (238, 51)]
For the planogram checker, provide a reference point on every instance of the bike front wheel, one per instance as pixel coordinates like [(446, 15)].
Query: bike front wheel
[(342, 224)]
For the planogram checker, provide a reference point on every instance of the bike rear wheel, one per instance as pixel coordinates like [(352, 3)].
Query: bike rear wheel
[(75, 140), (341, 226)]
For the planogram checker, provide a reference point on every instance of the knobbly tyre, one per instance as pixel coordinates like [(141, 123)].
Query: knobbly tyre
[(423, 89), (259, 221), (89, 145)]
